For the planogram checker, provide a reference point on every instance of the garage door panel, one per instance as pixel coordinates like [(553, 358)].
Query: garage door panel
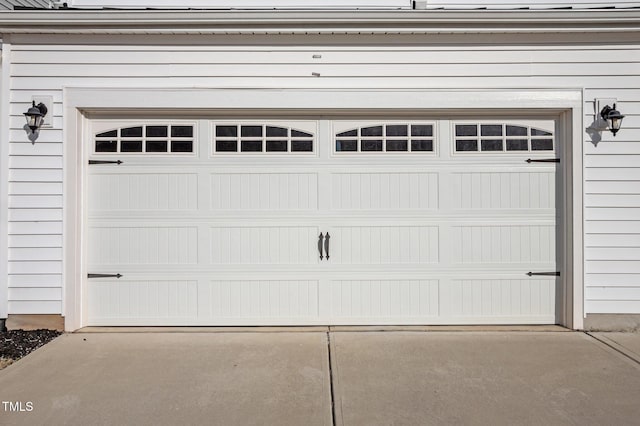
[(143, 245), (258, 299), (384, 244), (524, 298), (384, 191), (219, 237), (264, 191), (503, 190), (165, 302), (278, 245), (137, 301), (383, 299), (143, 191), (500, 244)]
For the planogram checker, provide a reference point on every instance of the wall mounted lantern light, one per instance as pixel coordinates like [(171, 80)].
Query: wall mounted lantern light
[(35, 116), (613, 118)]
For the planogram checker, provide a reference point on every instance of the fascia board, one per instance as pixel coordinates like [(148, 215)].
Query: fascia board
[(322, 22)]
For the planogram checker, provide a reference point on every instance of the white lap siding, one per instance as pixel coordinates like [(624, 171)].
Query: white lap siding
[(513, 4), (43, 66), (612, 211), (34, 210)]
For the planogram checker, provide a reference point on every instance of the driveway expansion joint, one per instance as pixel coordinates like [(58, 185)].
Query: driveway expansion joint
[(613, 346), (332, 396)]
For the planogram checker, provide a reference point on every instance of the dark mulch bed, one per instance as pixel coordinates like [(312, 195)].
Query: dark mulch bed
[(14, 344)]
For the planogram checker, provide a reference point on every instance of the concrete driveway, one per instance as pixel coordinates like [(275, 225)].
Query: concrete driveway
[(292, 377)]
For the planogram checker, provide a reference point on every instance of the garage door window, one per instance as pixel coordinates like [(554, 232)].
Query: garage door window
[(386, 138), (232, 138), (501, 138), (148, 139)]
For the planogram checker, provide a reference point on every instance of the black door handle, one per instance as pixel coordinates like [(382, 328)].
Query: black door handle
[(326, 245), (320, 237)]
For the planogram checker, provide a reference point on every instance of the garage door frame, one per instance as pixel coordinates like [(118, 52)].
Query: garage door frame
[(84, 104)]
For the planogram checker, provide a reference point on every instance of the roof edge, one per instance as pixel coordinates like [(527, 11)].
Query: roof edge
[(289, 21)]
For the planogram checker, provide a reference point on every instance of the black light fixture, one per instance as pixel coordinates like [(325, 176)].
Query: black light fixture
[(613, 118), (35, 116)]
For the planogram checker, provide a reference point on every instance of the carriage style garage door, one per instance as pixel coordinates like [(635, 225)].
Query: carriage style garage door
[(343, 221)]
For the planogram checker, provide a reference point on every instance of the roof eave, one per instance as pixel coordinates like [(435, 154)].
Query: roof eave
[(297, 21)]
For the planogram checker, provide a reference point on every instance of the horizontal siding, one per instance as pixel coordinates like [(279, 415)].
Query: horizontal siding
[(608, 161), (315, 4), (35, 281), (613, 173), (43, 139), (328, 79), (600, 266), (612, 253), (35, 240), (35, 175), (18, 307), (612, 227), (613, 293), (624, 144), (35, 293), (205, 46), (198, 56), (614, 280), (35, 188), (614, 188), (39, 253), (538, 4), (35, 201), (35, 228), (628, 199), (612, 212), (35, 211), (244, 4), (612, 240), (600, 306), (35, 266), (27, 72), (612, 167), (35, 215)]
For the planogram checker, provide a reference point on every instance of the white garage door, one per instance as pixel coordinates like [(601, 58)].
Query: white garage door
[(258, 222)]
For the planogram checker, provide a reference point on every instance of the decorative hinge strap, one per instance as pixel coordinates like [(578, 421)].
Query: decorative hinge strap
[(552, 274), (543, 160), (104, 275), (105, 162)]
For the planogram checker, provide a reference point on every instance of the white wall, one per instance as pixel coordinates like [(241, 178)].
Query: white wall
[(351, 4), (513, 4), (247, 4), (612, 210), (44, 66)]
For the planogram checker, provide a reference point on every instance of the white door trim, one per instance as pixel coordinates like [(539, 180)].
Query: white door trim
[(84, 103)]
